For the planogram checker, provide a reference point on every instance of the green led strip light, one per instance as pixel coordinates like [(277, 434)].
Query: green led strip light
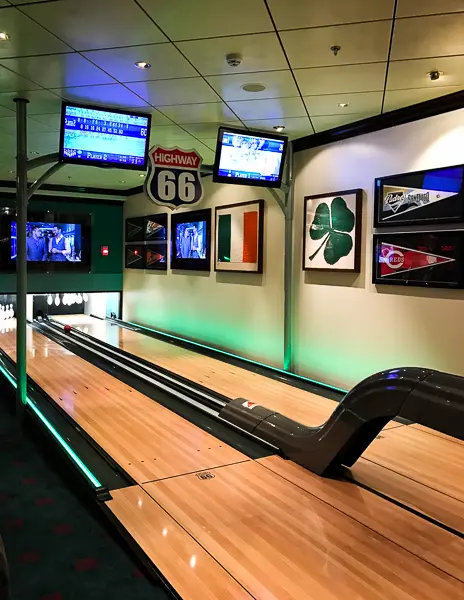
[(247, 360), (90, 476)]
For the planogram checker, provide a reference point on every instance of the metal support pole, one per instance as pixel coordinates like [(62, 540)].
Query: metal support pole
[(21, 264), (288, 267)]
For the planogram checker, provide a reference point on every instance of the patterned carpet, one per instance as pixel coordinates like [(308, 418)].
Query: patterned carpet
[(56, 548)]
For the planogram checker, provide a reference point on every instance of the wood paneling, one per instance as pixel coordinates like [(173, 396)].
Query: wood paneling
[(429, 459), (428, 541), (191, 571), (281, 543), (149, 441), (437, 433)]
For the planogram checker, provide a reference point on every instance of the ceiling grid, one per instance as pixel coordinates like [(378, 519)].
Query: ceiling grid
[(317, 65)]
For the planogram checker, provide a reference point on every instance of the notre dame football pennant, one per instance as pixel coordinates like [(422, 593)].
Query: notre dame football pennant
[(173, 178)]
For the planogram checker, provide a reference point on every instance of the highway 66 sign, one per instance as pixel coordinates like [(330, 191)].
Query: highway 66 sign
[(174, 177)]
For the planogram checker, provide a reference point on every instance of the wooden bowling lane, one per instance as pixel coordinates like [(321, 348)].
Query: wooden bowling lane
[(281, 543), (422, 538), (147, 440), (190, 570), (228, 380)]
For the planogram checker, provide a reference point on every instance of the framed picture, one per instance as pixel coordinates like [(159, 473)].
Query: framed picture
[(134, 256), (190, 240), (420, 198), (156, 256), (155, 227), (239, 237), (134, 229), (426, 258), (332, 232)]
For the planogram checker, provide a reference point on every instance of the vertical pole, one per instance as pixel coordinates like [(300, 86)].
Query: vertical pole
[(288, 267), (21, 264)]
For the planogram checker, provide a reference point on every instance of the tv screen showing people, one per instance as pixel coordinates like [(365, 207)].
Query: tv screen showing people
[(50, 242), (191, 240)]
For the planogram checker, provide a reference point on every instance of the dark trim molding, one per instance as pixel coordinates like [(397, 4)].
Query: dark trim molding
[(50, 187), (10, 197), (408, 114)]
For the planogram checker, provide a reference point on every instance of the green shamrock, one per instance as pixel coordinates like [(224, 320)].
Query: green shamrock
[(333, 224)]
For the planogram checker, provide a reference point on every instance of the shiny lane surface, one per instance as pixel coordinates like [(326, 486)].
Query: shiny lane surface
[(149, 441), (280, 542)]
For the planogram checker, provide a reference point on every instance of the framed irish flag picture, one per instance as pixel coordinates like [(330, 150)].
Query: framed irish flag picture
[(239, 237)]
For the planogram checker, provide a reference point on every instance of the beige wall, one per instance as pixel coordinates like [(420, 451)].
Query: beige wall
[(345, 328), (235, 311)]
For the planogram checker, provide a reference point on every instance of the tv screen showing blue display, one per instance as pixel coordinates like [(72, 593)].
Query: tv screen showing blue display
[(103, 137), (248, 158)]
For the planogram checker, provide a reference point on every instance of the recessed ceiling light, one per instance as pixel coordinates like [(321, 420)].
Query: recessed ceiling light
[(279, 128), (122, 181), (142, 175), (34, 152), (141, 64), (4, 37), (435, 75), (11, 172), (253, 87), (343, 104)]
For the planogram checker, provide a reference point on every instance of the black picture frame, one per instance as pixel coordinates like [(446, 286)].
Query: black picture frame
[(134, 229), (131, 251), (62, 158), (191, 264), (358, 193), (242, 181), (422, 252), (151, 250), (150, 233), (391, 206), (260, 241)]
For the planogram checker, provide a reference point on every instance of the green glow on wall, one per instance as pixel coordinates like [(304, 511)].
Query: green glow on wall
[(90, 476), (247, 360)]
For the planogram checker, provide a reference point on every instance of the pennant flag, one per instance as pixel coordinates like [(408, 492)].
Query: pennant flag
[(133, 256), (133, 229), (153, 229), (153, 257), (396, 198), (396, 259), (238, 236)]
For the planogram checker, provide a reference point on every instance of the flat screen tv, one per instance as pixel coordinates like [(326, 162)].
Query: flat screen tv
[(190, 240), (54, 242), (249, 158), (104, 137)]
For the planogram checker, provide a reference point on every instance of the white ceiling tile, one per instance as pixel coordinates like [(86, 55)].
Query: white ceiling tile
[(273, 108), (40, 101), (57, 70), (278, 85), (44, 143), (359, 43), (212, 112), (94, 24), (4, 3), (206, 131), (415, 8), (346, 79), (407, 74), (428, 36), (53, 121), (11, 82), (168, 92), (26, 37), (293, 14), (294, 126), (158, 118), (167, 134), (6, 112), (166, 62), (110, 95), (8, 126), (186, 20), (331, 121), (398, 98), (364, 102), (260, 52)]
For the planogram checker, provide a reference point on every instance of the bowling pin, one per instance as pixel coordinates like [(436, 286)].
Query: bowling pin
[(49, 300), (2, 312), (86, 298), (10, 312), (79, 299), (57, 300)]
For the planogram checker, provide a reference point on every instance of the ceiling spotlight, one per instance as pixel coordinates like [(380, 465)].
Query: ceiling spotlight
[(34, 152), (253, 87), (335, 49), (343, 104), (142, 175), (122, 181), (4, 37), (141, 64), (434, 75), (11, 172), (279, 128)]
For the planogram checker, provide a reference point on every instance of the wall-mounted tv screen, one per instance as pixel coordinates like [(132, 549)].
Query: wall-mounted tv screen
[(54, 242), (105, 137), (190, 240), (248, 158)]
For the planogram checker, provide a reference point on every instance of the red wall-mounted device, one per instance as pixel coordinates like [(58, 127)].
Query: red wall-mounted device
[(104, 250)]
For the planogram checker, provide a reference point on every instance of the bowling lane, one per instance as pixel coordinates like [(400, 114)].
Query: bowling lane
[(147, 440), (229, 380)]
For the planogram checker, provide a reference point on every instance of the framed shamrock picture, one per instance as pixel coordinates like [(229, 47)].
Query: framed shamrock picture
[(332, 232)]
